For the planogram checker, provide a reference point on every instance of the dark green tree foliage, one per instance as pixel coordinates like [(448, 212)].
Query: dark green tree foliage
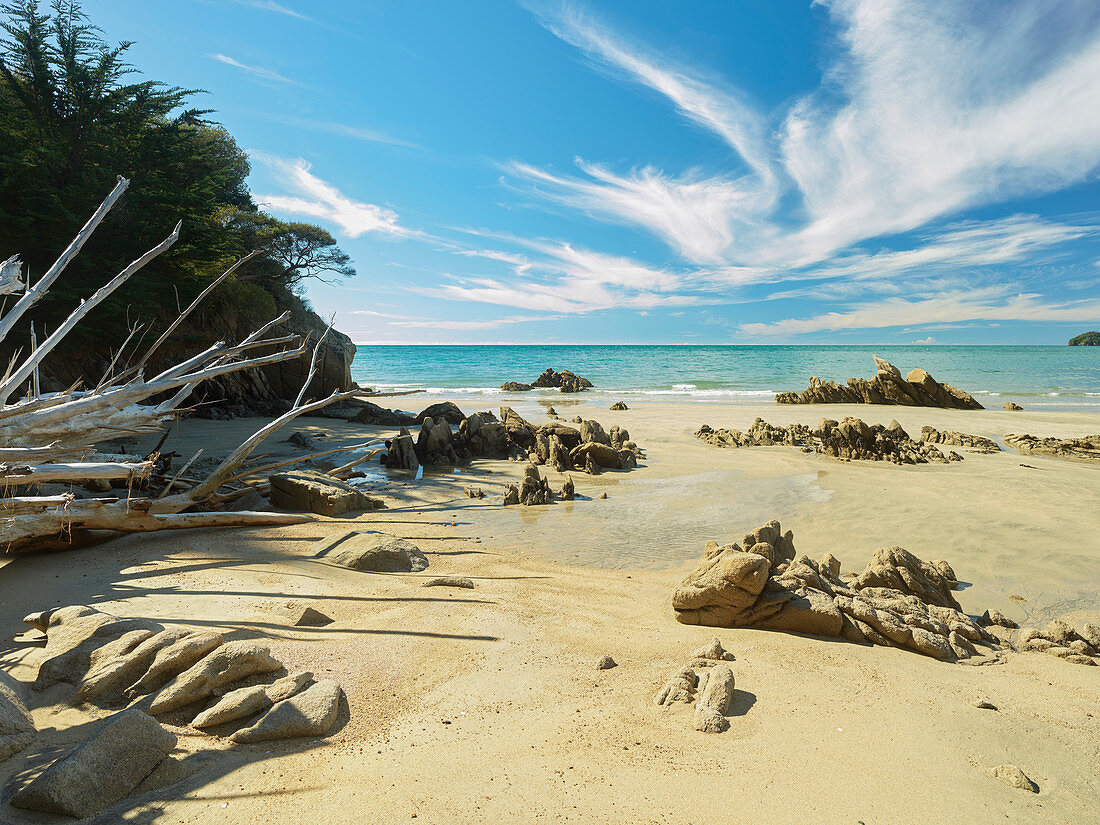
[(73, 115)]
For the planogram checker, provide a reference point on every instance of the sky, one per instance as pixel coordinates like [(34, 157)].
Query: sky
[(712, 172)]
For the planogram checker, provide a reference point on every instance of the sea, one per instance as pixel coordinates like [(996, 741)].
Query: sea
[(1055, 377)]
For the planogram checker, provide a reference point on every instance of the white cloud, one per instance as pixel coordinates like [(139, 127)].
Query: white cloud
[(316, 198), (257, 71), (341, 129), (991, 304), (271, 5)]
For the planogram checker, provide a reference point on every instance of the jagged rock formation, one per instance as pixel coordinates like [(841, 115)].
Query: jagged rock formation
[(551, 379), (978, 443), (917, 389), (482, 435), (619, 406), (1060, 639), (898, 600), (1086, 448), (1012, 406), (850, 439)]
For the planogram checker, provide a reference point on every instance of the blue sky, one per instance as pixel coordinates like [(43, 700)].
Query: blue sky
[(762, 171)]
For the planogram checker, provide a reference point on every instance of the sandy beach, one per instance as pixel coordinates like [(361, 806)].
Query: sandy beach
[(485, 705)]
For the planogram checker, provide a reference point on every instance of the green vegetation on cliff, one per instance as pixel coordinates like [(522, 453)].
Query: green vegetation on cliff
[(1086, 339), (73, 115)]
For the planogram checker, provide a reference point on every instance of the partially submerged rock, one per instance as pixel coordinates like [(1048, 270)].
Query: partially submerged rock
[(917, 389), (309, 713), (309, 491), (378, 554), (101, 770), (1086, 448), (898, 600)]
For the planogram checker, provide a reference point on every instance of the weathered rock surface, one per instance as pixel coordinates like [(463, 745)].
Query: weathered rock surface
[(450, 581), (237, 704), (534, 489), (378, 554), (1060, 639), (1086, 448), (443, 411), (679, 688), (372, 414), (173, 659), (995, 618), (309, 491), (401, 452), (898, 600), (930, 435), (1014, 777), (850, 439), (101, 770), (551, 379), (227, 664), (16, 726), (619, 406), (309, 713), (917, 389), (714, 698), (710, 653)]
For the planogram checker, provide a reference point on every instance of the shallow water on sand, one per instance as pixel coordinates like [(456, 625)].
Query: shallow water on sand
[(648, 523)]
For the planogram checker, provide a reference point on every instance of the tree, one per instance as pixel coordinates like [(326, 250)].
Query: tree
[(293, 251)]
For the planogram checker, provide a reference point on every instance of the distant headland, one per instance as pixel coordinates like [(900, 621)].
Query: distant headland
[(1086, 339)]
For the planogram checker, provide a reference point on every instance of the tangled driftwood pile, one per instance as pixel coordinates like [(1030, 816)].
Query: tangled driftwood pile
[(917, 389), (49, 437)]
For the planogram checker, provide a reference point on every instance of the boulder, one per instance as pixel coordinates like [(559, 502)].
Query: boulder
[(433, 445), (237, 704), (373, 415), (714, 699), (227, 664), (619, 406), (514, 386), (101, 770), (602, 455), (564, 381), (378, 554), (443, 411), (16, 726), (309, 713), (309, 491), (401, 452), (485, 436), (520, 433), (450, 581)]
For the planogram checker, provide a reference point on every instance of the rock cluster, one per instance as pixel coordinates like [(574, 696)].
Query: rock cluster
[(448, 439), (898, 600), (535, 489), (1086, 448), (588, 447), (917, 389), (850, 439), (551, 379), (1060, 639), (977, 443), (708, 682)]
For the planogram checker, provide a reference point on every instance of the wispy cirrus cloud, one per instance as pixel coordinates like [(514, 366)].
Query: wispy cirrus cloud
[(316, 198), (272, 6), (256, 71)]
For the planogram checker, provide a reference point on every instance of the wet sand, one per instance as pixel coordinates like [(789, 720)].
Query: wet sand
[(485, 705)]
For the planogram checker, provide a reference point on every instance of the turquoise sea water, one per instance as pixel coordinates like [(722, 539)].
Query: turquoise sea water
[(1051, 376)]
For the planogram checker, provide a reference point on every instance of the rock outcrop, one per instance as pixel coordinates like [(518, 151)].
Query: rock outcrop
[(917, 389), (551, 379), (1059, 638), (309, 491), (1086, 448), (850, 439), (378, 554), (619, 406), (16, 726), (977, 443), (897, 601)]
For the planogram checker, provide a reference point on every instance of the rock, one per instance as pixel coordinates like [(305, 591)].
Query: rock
[(917, 389), (101, 770), (930, 435), (485, 436), (564, 380), (715, 696), (75, 640), (311, 617), (227, 664), (173, 659), (1091, 634), (1086, 448), (434, 447), (401, 452), (373, 415), (713, 651), (513, 386), (602, 455), (679, 688), (308, 491), (16, 726), (1060, 632), (378, 554), (592, 468), (1014, 777), (519, 431), (982, 704), (443, 411), (602, 496), (605, 663), (534, 489), (996, 618), (450, 581), (472, 492), (309, 713), (1011, 406), (246, 701), (558, 456), (511, 495), (897, 601), (568, 491), (619, 405), (593, 432), (302, 441)]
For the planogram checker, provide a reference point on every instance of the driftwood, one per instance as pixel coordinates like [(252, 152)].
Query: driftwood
[(47, 437)]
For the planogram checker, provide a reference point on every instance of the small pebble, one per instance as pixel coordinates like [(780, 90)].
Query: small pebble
[(984, 705), (606, 663)]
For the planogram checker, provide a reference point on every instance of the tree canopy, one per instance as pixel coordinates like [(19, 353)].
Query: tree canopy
[(73, 115)]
